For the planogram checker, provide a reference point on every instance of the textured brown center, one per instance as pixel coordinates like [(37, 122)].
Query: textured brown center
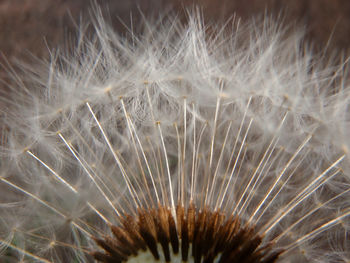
[(195, 236)]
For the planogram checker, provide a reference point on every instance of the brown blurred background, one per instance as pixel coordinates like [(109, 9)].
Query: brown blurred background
[(36, 26), (27, 24)]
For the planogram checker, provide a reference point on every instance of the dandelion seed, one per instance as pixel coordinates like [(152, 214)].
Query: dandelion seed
[(181, 145)]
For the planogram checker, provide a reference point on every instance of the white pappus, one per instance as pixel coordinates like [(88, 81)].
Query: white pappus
[(188, 142)]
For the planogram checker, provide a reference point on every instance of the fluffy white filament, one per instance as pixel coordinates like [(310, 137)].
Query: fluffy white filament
[(241, 119)]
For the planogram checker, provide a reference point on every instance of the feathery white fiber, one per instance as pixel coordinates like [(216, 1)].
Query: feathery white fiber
[(240, 119)]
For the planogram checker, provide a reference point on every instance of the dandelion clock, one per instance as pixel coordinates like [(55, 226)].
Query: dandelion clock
[(187, 143)]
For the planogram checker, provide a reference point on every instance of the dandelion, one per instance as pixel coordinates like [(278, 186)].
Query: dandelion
[(184, 143)]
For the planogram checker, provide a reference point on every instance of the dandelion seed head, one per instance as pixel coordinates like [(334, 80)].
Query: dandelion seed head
[(229, 143)]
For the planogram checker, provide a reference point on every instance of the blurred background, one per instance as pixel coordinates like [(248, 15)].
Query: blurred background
[(33, 27)]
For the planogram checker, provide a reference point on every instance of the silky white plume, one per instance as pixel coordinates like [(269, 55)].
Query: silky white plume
[(242, 118)]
